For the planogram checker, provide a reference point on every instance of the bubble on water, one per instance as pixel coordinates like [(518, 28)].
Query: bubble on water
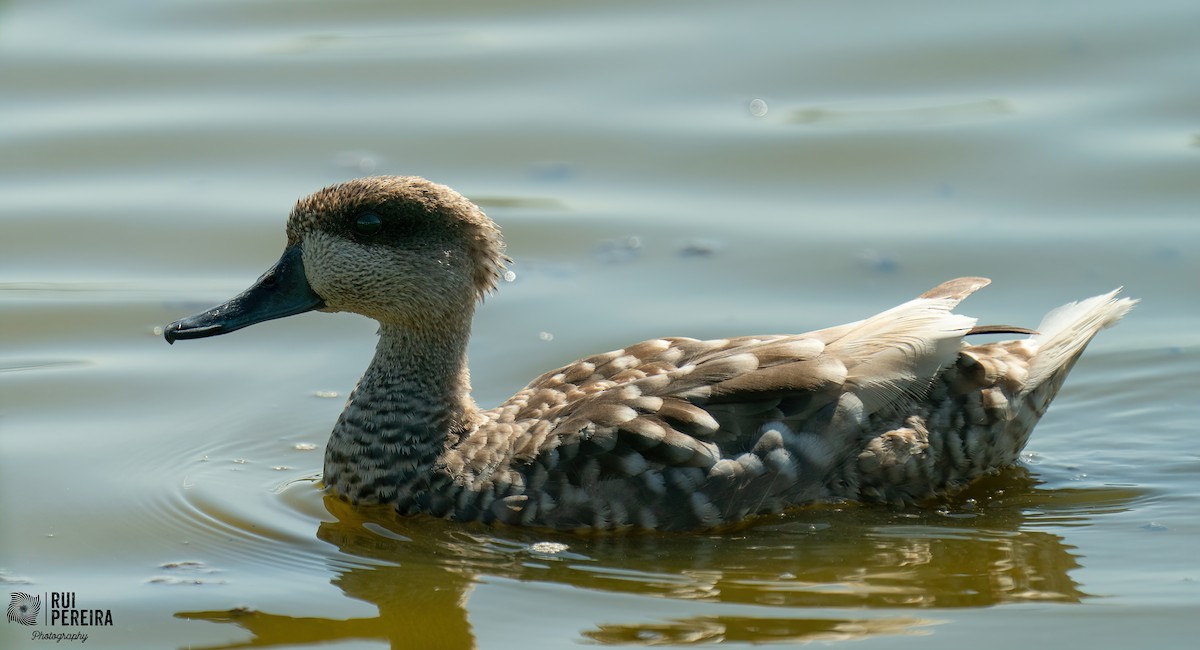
[(758, 107), (619, 251), (878, 262), (548, 548), (358, 160)]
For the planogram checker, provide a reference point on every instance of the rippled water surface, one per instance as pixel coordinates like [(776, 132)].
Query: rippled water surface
[(673, 168)]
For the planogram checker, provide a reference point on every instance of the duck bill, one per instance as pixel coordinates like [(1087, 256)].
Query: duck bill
[(282, 291)]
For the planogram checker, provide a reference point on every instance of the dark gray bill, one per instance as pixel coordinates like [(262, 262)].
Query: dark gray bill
[(281, 291)]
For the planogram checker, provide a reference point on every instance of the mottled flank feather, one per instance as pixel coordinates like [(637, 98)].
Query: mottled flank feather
[(667, 434)]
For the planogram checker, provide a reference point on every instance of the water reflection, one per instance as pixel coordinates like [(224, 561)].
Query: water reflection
[(804, 571), (714, 629)]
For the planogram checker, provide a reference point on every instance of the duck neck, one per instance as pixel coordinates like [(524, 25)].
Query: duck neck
[(411, 404)]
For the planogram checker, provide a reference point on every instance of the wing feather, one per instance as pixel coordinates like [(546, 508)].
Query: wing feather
[(687, 402)]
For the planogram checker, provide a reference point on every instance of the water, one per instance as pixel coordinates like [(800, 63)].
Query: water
[(697, 169)]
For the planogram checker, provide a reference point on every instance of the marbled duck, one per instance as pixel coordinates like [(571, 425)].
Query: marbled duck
[(668, 434)]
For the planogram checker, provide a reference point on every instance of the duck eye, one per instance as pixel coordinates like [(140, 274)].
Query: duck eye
[(368, 223)]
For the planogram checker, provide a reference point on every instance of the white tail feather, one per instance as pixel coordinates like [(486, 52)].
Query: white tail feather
[(896, 352), (1065, 331)]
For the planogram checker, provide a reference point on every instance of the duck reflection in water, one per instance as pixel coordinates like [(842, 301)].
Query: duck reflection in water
[(977, 551)]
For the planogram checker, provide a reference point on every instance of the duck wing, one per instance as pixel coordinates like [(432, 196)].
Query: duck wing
[(681, 402)]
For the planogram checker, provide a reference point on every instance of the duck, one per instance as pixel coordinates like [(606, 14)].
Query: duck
[(901, 408)]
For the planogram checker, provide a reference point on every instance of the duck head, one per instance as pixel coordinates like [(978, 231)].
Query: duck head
[(398, 249)]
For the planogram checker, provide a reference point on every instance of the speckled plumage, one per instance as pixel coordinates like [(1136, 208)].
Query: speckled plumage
[(669, 434)]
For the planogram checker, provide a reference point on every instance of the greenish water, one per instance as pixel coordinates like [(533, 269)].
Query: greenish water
[(675, 168)]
